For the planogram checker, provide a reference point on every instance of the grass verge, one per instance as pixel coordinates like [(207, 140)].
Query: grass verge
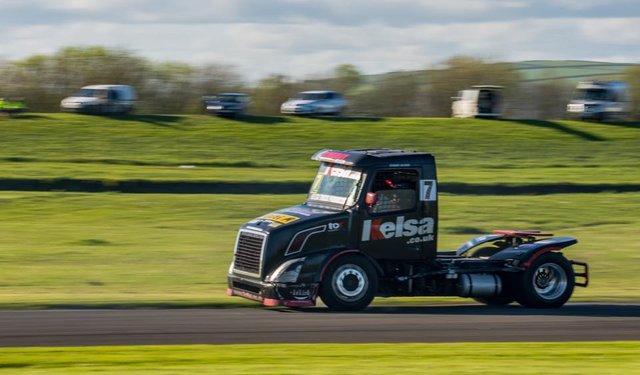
[(455, 358), (163, 250)]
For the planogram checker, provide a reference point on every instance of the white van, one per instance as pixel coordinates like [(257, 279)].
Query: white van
[(600, 100), (101, 99), (479, 101)]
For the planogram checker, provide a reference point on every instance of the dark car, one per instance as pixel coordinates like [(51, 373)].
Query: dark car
[(226, 104)]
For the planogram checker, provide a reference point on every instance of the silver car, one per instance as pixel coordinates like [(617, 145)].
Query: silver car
[(315, 103)]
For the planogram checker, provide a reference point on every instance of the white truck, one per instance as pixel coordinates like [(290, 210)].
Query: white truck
[(600, 100), (478, 101)]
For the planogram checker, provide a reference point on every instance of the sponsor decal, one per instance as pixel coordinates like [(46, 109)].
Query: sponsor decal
[(417, 240), (377, 229), (300, 239), (428, 190), (334, 226), (316, 183), (301, 293), (280, 218)]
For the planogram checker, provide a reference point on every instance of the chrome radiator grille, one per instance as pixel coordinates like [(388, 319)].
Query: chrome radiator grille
[(248, 253)]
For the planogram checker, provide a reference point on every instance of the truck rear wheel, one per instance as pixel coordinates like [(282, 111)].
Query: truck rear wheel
[(349, 284), (547, 283)]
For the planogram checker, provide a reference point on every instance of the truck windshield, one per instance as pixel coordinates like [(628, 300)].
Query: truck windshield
[(335, 185), (88, 93), (592, 94), (229, 98), (312, 96)]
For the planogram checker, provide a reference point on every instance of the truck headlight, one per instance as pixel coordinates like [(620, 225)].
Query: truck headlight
[(287, 272)]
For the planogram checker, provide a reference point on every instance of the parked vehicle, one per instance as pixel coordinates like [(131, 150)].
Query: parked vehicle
[(101, 99), (479, 101), (12, 105), (226, 104), (315, 103), (369, 228), (600, 100)]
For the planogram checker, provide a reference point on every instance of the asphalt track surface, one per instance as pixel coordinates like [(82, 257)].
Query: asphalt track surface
[(463, 323)]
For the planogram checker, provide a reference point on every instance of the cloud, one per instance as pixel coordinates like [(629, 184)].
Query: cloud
[(300, 50), (337, 12), (300, 38)]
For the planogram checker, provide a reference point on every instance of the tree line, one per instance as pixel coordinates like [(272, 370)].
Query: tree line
[(173, 87)]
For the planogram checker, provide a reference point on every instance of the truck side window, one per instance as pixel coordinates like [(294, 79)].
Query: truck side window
[(396, 190)]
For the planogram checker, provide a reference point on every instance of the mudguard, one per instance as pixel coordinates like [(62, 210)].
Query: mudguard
[(477, 241), (525, 254)]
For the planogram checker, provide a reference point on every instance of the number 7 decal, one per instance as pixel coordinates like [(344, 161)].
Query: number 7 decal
[(428, 191)]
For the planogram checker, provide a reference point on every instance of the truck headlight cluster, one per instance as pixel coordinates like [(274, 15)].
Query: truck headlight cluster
[(287, 272)]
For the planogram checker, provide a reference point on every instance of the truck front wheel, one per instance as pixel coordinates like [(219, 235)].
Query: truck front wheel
[(547, 283), (349, 284)]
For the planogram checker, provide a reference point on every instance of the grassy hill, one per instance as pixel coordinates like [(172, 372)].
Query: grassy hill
[(60, 248), (202, 148), (570, 70)]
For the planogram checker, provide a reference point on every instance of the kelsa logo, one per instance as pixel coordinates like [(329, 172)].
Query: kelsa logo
[(378, 230)]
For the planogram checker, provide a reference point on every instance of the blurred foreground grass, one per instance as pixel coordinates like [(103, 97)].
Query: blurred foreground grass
[(455, 358), (155, 250)]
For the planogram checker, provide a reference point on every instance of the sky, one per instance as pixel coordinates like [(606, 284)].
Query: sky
[(307, 38)]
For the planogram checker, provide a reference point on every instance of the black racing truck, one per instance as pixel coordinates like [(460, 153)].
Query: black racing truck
[(369, 227)]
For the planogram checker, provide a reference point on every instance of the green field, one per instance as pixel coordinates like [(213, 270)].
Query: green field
[(206, 148), (459, 358), (152, 250), (114, 249)]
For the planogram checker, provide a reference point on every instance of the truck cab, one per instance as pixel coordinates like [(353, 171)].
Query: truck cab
[(369, 228), (481, 101), (600, 100)]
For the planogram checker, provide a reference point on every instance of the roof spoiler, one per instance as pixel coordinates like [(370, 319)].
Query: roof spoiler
[(334, 156)]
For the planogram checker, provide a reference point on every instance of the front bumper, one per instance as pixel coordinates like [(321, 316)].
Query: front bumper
[(220, 110), (297, 111), (272, 294)]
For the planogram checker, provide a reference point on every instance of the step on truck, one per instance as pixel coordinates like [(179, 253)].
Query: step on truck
[(369, 227)]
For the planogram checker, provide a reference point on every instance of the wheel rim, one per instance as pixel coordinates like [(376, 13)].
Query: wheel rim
[(550, 281), (350, 282)]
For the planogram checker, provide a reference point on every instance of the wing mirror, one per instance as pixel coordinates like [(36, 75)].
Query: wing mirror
[(371, 199)]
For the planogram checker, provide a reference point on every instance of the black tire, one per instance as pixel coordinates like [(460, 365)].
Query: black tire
[(349, 284), (548, 283), (495, 301)]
